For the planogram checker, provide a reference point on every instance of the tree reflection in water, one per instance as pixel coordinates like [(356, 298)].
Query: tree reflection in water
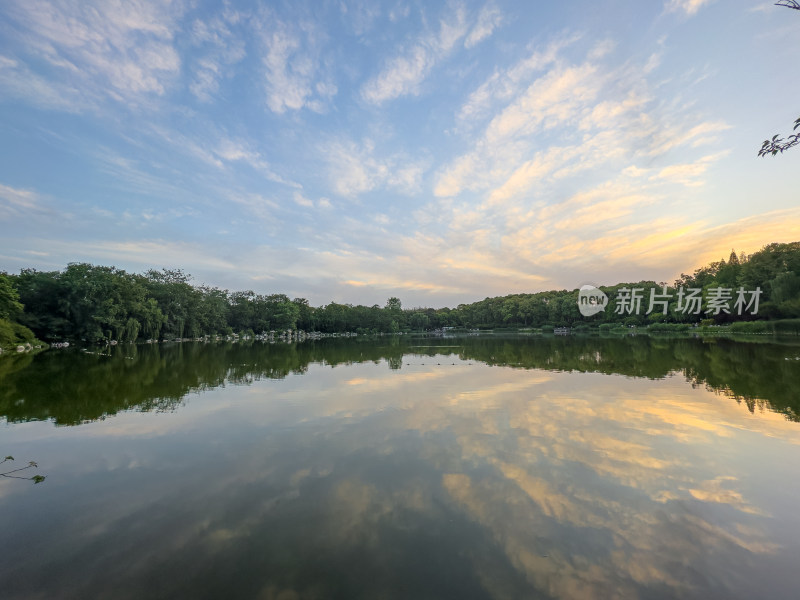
[(74, 387)]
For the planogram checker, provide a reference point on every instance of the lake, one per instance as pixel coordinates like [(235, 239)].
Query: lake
[(463, 467)]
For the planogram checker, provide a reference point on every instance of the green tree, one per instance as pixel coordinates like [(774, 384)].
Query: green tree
[(394, 305), (305, 314), (177, 300), (728, 273), (10, 305), (785, 294), (419, 320), (213, 307)]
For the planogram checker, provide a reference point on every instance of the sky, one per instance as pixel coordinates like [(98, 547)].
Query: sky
[(440, 152)]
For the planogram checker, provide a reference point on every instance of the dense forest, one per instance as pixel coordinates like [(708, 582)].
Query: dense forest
[(91, 304)]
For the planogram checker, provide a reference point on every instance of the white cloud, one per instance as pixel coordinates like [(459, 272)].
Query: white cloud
[(555, 98), (17, 201), (560, 96), (288, 86), (601, 49), (231, 150), (360, 15), (569, 119), (119, 49), (256, 205), (18, 81), (489, 19), (354, 169), (221, 152), (223, 46), (689, 174), (326, 89), (301, 200), (404, 73), (401, 77), (206, 80), (688, 7), (663, 138), (133, 175), (292, 66), (503, 85)]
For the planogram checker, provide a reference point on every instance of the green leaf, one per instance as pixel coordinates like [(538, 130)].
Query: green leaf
[(38, 478)]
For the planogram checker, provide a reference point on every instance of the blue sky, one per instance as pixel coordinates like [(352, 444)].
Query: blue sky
[(440, 152)]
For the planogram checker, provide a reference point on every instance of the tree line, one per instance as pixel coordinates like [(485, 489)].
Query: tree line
[(89, 303)]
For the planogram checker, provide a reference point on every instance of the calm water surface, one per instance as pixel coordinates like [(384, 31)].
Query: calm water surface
[(473, 467)]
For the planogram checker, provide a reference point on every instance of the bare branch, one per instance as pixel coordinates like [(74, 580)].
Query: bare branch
[(31, 464)]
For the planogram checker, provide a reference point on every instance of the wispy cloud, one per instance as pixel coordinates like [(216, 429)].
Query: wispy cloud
[(219, 150), (222, 40), (230, 150), (563, 94), (135, 175), (504, 84), (603, 115), (301, 200), (17, 81), (292, 67), (688, 174), (489, 19), (360, 15), (355, 168), (688, 7), (404, 73), (251, 204), (16, 201), (120, 49)]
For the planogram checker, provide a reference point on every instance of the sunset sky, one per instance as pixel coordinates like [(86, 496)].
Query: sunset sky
[(440, 152)]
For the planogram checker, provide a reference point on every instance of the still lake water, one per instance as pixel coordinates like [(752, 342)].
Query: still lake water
[(411, 467)]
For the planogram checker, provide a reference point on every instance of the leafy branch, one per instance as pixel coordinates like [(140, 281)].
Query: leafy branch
[(31, 465), (778, 144)]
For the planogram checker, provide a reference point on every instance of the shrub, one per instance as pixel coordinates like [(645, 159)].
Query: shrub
[(787, 326), (14, 334), (668, 327), (751, 327)]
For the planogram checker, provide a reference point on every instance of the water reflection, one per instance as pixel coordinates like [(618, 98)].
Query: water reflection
[(73, 387), (448, 479)]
